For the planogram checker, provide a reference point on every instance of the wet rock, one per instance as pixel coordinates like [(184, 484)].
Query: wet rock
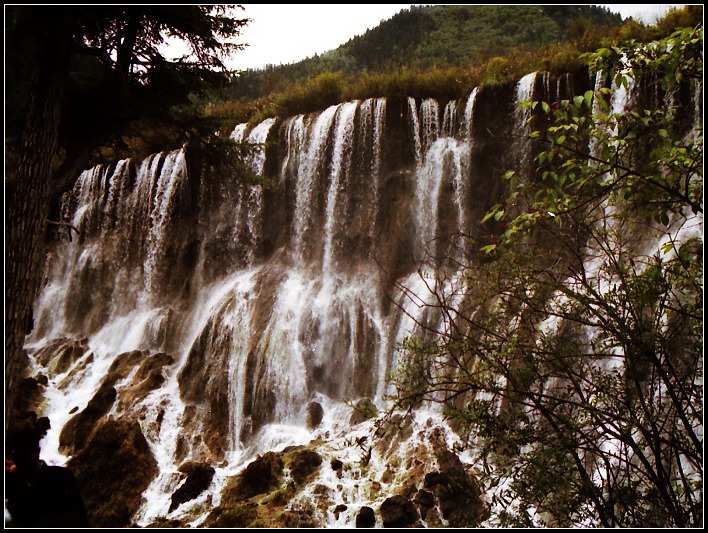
[(365, 517), (393, 432), (336, 464), (425, 498), (460, 498), (297, 518), (77, 430), (113, 470), (374, 489), (65, 358), (239, 516), (409, 487), (398, 511), (76, 372), (363, 410), (388, 475), (59, 355), (314, 414), (121, 366), (199, 476), (28, 397), (260, 476), (321, 490), (43, 425), (321, 497), (147, 378), (167, 523), (281, 496), (205, 386), (303, 463)]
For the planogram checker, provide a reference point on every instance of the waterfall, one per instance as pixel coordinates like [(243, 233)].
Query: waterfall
[(522, 120), (168, 186), (254, 201), (413, 112), (341, 162), (269, 296), (469, 112), (447, 161), (429, 122), (314, 151), (449, 127), (378, 133)]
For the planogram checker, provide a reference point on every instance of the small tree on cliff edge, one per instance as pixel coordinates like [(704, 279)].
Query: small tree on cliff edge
[(82, 77), (576, 362)]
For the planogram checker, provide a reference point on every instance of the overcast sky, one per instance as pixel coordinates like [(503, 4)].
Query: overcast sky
[(286, 33)]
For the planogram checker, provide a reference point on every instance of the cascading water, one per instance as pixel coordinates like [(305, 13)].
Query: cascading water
[(266, 299)]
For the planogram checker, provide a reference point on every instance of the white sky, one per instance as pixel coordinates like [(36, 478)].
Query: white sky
[(286, 33)]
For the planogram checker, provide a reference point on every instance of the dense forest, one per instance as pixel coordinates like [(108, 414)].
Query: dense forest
[(436, 51), (431, 36)]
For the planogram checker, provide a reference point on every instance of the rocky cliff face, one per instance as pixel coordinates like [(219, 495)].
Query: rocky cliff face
[(197, 317)]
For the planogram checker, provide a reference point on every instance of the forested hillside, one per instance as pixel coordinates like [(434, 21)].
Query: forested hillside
[(437, 52), (433, 36)]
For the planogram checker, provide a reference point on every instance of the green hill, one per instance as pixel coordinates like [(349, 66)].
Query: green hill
[(424, 37)]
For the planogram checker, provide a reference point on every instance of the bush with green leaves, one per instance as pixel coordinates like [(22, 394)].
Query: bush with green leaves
[(575, 363)]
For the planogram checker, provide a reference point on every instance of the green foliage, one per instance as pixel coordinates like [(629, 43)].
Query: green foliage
[(239, 516), (317, 93), (579, 369), (590, 153)]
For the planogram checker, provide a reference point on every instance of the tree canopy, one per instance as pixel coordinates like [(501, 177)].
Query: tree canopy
[(120, 83)]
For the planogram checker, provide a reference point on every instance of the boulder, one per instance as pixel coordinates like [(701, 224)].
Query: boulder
[(303, 463), (113, 469), (340, 509), (365, 517), (425, 498), (398, 511), (199, 476), (28, 397), (43, 425), (260, 476), (460, 498), (314, 415), (77, 430)]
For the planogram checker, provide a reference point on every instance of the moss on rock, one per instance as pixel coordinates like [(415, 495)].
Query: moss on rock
[(113, 470)]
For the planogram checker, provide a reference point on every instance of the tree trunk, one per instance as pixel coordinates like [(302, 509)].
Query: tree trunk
[(29, 195)]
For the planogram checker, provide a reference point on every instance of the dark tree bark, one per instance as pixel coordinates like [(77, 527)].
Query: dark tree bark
[(29, 195)]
